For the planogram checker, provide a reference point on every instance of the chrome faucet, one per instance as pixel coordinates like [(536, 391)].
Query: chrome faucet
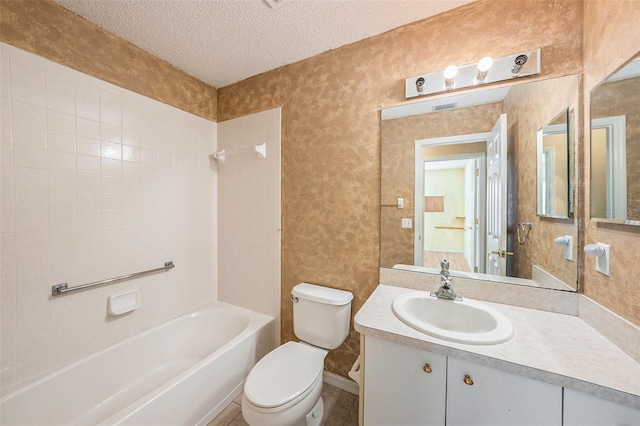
[(445, 291)]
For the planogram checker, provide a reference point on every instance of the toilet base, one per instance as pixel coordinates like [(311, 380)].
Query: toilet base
[(314, 418)]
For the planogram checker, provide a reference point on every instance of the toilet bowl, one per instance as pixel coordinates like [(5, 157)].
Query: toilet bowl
[(284, 387)]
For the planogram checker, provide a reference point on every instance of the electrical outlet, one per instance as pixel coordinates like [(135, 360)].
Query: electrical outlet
[(407, 223), (568, 248), (400, 203)]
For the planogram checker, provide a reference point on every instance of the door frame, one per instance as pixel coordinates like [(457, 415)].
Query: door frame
[(419, 161), (616, 164)]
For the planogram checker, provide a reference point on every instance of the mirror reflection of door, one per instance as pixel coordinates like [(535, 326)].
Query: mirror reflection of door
[(497, 198), (609, 168)]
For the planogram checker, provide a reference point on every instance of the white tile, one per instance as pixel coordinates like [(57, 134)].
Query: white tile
[(8, 267), (32, 199), (61, 102), (7, 245), (88, 91), (89, 200), (112, 184), (89, 237), (31, 178), (27, 71), (111, 150), (29, 348), (60, 82), (62, 161), (33, 158), (63, 259), (29, 135), (7, 201), (61, 121), (30, 285), (61, 141), (31, 306), (32, 221), (112, 201), (89, 219), (111, 167), (87, 109), (32, 263), (8, 289), (88, 128), (109, 96), (131, 169), (110, 133), (63, 239), (5, 87), (7, 222), (63, 219), (89, 183), (112, 218), (28, 115), (62, 200), (111, 116), (62, 181), (88, 146), (148, 156), (7, 177), (6, 154), (28, 93), (32, 242), (88, 165), (32, 368)]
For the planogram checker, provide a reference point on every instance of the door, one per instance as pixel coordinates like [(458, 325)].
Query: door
[(497, 199)]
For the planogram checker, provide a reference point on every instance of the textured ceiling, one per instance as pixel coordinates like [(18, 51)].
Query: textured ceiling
[(224, 41)]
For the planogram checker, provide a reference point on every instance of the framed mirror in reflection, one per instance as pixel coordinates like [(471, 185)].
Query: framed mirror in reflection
[(615, 147), (465, 167), (553, 152)]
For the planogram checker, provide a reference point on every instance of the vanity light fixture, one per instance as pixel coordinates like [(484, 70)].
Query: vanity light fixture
[(487, 70)]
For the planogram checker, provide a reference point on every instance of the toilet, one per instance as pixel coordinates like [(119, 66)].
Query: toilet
[(284, 387)]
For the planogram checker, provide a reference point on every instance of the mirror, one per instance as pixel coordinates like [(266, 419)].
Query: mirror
[(554, 147), (615, 147), (458, 181)]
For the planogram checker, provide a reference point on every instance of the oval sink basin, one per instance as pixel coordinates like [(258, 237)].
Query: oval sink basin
[(465, 321)]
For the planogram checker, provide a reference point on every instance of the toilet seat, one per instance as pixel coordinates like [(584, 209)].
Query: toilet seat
[(284, 376)]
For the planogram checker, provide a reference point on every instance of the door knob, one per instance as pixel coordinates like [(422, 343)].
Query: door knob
[(427, 368), (467, 380)]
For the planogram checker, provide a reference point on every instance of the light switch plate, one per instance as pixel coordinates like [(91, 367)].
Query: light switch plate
[(407, 223), (568, 249)]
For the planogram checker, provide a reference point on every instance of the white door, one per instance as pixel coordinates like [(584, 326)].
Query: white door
[(497, 198)]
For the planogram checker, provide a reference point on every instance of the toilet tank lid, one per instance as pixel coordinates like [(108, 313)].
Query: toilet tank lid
[(320, 294)]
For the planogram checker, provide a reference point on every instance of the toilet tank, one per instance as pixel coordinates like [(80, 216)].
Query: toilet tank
[(321, 315)]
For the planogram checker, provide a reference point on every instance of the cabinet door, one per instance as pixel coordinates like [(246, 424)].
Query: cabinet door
[(493, 397), (586, 410), (397, 390)]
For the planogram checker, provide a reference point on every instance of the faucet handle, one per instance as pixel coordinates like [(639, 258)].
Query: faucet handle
[(444, 265)]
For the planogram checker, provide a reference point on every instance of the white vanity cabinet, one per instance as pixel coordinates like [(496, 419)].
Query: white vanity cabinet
[(586, 410), (403, 385), (397, 391), (478, 395)]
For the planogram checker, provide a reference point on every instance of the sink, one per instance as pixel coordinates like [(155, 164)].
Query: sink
[(462, 321)]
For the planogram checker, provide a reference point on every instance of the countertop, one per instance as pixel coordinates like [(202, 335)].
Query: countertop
[(555, 348)]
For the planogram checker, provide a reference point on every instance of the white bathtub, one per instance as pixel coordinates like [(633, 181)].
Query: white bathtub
[(183, 372)]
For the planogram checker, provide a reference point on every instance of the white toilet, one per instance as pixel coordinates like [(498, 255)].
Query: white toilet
[(284, 387)]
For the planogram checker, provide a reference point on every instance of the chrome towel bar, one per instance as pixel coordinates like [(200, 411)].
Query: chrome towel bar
[(59, 289)]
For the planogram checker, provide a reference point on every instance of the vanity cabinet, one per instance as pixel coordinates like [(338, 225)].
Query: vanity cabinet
[(586, 410), (400, 390)]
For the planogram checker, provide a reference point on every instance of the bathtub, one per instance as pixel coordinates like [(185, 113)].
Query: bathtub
[(183, 372)]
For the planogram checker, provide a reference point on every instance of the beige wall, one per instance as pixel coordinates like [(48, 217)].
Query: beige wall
[(331, 130), (46, 29), (611, 37)]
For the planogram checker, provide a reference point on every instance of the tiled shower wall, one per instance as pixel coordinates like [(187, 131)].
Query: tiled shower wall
[(249, 215), (96, 182)]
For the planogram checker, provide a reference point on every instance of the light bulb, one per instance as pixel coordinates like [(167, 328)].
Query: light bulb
[(450, 72), (484, 64)]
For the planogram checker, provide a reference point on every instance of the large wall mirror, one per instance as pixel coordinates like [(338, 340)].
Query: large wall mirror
[(459, 180), (615, 146)]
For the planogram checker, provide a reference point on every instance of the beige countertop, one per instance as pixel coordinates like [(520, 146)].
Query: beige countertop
[(552, 347)]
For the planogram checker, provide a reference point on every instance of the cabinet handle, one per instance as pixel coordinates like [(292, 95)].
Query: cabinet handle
[(467, 380), (427, 368)]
